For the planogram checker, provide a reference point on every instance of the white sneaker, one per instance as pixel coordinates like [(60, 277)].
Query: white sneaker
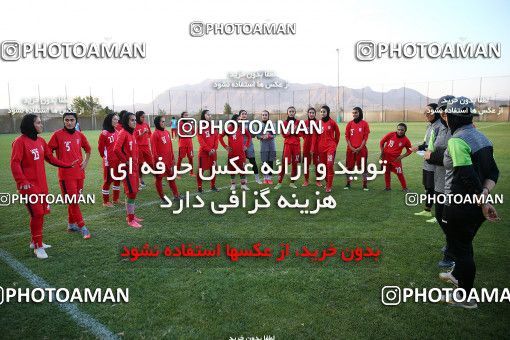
[(245, 187), (40, 253), (449, 278), (293, 186), (233, 187), (258, 180), (44, 245)]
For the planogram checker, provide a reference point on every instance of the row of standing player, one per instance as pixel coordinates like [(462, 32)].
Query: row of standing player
[(132, 139)]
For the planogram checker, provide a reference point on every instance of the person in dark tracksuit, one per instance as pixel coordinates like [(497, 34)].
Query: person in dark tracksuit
[(267, 148), (434, 156), (433, 117), (474, 173)]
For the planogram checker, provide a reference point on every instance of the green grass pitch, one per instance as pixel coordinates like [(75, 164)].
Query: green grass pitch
[(200, 299)]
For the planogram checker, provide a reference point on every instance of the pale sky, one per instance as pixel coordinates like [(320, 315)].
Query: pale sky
[(175, 58)]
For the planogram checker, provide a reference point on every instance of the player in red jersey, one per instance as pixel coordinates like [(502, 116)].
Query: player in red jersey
[(208, 152), (391, 146), (236, 148), (143, 134), (291, 148), (356, 134), (310, 151), (162, 151), (105, 146), (27, 166), (185, 145), (68, 143), (126, 150), (326, 145)]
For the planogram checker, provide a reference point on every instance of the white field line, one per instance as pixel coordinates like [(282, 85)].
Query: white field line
[(81, 318)]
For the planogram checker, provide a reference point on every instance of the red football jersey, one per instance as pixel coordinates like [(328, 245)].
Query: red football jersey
[(126, 147), (291, 138), (310, 140), (141, 137), (394, 145), (105, 147), (118, 127), (185, 141), (68, 148), (27, 163), (236, 142), (355, 133), (208, 140), (161, 143), (329, 136)]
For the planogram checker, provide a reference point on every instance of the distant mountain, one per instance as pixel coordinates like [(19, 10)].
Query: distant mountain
[(193, 97)]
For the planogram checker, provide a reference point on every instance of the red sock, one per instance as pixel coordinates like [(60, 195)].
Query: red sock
[(36, 228), (116, 191), (131, 217), (213, 182), (173, 187), (199, 179), (106, 192), (190, 161), (387, 179), (78, 218), (159, 186), (330, 173), (402, 180)]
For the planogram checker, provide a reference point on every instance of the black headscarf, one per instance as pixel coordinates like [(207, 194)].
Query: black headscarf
[(69, 113), (290, 118), (328, 111), (27, 127), (125, 122), (121, 115), (107, 122), (405, 127), (138, 115), (202, 114), (313, 111), (157, 121), (360, 114)]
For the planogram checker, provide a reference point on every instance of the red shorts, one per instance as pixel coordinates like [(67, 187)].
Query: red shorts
[(327, 158), (354, 159), (185, 151), (395, 167), (292, 152), (107, 171), (240, 162), (71, 187), (144, 155), (206, 161)]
